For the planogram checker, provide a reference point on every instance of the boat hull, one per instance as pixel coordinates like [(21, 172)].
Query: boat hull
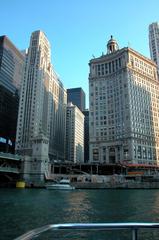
[(59, 187)]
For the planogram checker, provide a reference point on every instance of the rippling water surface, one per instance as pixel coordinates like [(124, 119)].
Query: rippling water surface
[(24, 209)]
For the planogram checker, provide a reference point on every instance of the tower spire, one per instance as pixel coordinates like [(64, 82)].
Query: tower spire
[(112, 45)]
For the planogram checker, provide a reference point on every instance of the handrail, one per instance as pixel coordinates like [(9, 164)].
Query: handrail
[(134, 227), (10, 156)]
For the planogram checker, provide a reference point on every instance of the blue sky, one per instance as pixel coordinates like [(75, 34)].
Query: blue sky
[(78, 29)]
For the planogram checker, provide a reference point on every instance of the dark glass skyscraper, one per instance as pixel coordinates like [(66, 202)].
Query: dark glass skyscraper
[(77, 97), (11, 64)]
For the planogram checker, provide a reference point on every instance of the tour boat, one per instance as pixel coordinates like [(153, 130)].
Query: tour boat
[(64, 184)]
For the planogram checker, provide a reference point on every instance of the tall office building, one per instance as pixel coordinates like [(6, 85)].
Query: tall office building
[(154, 42), (42, 111), (74, 134), (77, 97), (86, 135), (124, 107), (11, 65), (57, 135)]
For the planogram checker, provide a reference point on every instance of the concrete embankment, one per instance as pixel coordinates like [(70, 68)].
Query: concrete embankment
[(103, 182), (125, 185)]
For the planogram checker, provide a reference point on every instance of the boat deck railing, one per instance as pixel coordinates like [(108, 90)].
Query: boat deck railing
[(133, 227)]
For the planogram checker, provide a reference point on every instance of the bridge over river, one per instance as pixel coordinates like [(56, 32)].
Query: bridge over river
[(9, 168)]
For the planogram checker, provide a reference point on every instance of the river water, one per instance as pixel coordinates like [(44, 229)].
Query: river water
[(24, 209)]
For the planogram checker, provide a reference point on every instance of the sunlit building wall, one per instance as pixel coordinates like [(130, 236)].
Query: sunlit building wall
[(124, 107), (74, 134)]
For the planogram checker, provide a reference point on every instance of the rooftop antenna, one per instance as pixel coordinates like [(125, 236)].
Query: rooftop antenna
[(129, 45)]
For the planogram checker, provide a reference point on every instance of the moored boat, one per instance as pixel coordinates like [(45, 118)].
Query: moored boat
[(64, 184)]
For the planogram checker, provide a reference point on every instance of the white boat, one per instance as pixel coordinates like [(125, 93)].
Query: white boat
[(64, 184)]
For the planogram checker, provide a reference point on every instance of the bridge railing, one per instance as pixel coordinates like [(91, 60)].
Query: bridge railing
[(10, 156), (9, 169), (133, 227)]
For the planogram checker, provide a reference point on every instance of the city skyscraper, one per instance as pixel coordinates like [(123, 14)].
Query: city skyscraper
[(154, 42), (42, 111), (11, 65), (77, 97), (74, 134), (86, 135), (124, 107)]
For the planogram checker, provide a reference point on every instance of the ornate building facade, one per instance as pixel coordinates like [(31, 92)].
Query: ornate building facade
[(124, 107)]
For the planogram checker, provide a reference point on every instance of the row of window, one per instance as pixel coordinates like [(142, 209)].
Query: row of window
[(107, 68)]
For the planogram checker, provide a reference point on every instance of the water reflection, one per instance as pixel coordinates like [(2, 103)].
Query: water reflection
[(24, 210), (78, 208)]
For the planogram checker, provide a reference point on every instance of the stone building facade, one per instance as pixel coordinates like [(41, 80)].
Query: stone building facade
[(124, 107)]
